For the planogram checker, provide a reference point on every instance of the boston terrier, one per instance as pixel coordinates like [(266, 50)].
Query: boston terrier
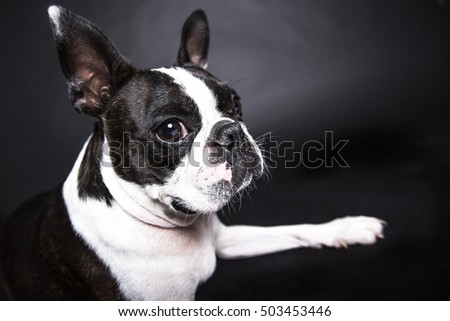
[(136, 217)]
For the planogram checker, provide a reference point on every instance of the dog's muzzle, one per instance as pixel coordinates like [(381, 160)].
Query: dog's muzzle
[(229, 143)]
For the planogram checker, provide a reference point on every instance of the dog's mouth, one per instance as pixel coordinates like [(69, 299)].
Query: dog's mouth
[(181, 206)]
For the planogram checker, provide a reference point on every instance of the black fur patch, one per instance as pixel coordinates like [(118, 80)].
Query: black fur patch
[(44, 259), (228, 102), (132, 119), (90, 181)]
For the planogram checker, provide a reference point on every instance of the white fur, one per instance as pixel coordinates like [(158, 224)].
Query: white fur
[(213, 174), (248, 241), (54, 13), (149, 262)]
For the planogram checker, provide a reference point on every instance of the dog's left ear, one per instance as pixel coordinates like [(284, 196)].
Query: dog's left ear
[(194, 40), (94, 69)]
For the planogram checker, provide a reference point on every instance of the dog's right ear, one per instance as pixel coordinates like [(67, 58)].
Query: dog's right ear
[(94, 69)]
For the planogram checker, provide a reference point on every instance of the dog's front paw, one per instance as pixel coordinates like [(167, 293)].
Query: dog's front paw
[(354, 230)]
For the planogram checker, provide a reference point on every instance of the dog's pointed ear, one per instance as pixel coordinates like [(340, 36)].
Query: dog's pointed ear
[(194, 40), (92, 66)]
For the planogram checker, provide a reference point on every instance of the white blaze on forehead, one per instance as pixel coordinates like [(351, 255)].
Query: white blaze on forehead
[(198, 91)]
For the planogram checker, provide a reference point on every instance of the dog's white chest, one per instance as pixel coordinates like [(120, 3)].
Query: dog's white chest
[(169, 267), (148, 262)]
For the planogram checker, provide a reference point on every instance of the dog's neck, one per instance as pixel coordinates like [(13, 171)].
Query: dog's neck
[(93, 179)]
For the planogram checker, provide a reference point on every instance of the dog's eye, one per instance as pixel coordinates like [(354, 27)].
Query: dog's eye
[(171, 131)]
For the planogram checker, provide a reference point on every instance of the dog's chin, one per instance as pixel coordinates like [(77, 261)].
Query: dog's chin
[(217, 195)]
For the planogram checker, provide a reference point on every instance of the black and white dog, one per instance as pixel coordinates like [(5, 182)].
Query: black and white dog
[(136, 217)]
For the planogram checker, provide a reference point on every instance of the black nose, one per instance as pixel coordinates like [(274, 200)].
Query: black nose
[(228, 142), (227, 135)]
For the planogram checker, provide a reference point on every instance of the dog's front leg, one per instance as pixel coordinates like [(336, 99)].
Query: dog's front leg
[(242, 241)]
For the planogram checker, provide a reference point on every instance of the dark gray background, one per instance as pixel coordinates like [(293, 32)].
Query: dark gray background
[(374, 72)]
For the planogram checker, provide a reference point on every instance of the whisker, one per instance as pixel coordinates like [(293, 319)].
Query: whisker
[(234, 81)]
